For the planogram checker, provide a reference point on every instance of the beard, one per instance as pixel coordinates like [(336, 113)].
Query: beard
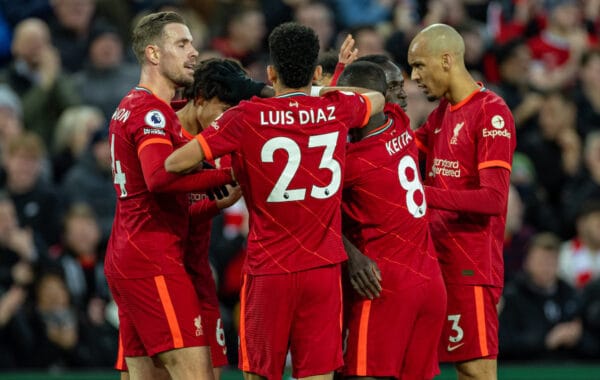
[(180, 78)]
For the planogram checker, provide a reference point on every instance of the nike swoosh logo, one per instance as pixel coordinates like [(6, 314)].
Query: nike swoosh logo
[(452, 348), (437, 130)]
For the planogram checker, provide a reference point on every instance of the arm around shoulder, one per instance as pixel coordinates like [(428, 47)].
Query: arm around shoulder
[(185, 158)]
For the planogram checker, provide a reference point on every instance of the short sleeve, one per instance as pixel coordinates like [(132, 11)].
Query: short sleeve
[(153, 126), (497, 137), (224, 135), (355, 108)]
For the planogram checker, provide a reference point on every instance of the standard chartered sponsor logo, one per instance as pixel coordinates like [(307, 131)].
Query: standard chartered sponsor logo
[(446, 168), (493, 133)]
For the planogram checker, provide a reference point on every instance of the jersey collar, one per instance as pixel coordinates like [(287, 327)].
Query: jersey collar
[(466, 100)]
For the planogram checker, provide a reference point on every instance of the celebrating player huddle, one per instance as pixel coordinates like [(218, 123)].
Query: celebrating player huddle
[(326, 179)]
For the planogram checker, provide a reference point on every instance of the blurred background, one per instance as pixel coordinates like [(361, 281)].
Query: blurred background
[(66, 64)]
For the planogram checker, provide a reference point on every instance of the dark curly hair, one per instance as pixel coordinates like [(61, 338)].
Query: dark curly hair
[(207, 86), (364, 74), (294, 51)]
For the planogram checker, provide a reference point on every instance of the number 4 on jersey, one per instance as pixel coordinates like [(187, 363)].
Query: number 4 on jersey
[(118, 175)]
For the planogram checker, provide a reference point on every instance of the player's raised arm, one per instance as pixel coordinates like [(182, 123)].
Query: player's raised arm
[(185, 157)]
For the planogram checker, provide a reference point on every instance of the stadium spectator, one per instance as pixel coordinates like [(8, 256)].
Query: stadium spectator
[(278, 268), (515, 85), (11, 116), (18, 257), (318, 16), (244, 35), (105, 71), (72, 136), (516, 234), (468, 141), (591, 318), (35, 74), (584, 185), (539, 316), (89, 181), (36, 200), (80, 257), (587, 93), (579, 261), (368, 39), (558, 48), (554, 146), (71, 25)]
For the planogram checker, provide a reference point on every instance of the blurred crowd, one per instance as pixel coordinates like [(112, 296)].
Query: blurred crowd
[(65, 65)]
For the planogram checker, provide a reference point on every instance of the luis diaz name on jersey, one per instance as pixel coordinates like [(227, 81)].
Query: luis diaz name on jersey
[(302, 117), (498, 128)]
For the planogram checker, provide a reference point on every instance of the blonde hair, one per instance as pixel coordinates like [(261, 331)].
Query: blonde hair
[(73, 120)]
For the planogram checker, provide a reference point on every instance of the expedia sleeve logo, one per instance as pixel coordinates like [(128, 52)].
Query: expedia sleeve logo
[(498, 131), (155, 119)]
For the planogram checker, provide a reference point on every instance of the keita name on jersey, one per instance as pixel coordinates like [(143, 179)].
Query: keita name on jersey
[(398, 143), (302, 117)]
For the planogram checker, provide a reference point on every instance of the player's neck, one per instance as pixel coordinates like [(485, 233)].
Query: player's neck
[(160, 86), (283, 90), (375, 122), (189, 122), (461, 87)]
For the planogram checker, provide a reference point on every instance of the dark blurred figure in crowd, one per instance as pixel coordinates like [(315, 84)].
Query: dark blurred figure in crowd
[(106, 77), (539, 317), (580, 256), (90, 182), (38, 205)]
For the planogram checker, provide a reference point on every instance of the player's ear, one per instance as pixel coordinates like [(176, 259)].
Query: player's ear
[(199, 101), (271, 73), (318, 74), (152, 54), (446, 61)]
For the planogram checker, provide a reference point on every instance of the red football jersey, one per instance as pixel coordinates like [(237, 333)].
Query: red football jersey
[(198, 242), (459, 140), (149, 229), (383, 205), (288, 155)]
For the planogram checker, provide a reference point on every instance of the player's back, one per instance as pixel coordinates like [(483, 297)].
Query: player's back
[(384, 207), (290, 164), (148, 228)]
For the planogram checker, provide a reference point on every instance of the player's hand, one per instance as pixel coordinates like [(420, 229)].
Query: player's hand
[(348, 53), (239, 84), (365, 276), (234, 193)]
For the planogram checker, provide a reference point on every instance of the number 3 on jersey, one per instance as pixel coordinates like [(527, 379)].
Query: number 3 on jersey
[(281, 192), (118, 175)]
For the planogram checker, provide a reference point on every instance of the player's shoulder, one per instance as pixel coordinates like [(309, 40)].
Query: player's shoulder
[(491, 99), (339, 95)]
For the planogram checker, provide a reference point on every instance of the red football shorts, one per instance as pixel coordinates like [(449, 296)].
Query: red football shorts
[(396, 335), (157, 314), (471, 327), (302, 309), (215, 334), (206, 291)]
